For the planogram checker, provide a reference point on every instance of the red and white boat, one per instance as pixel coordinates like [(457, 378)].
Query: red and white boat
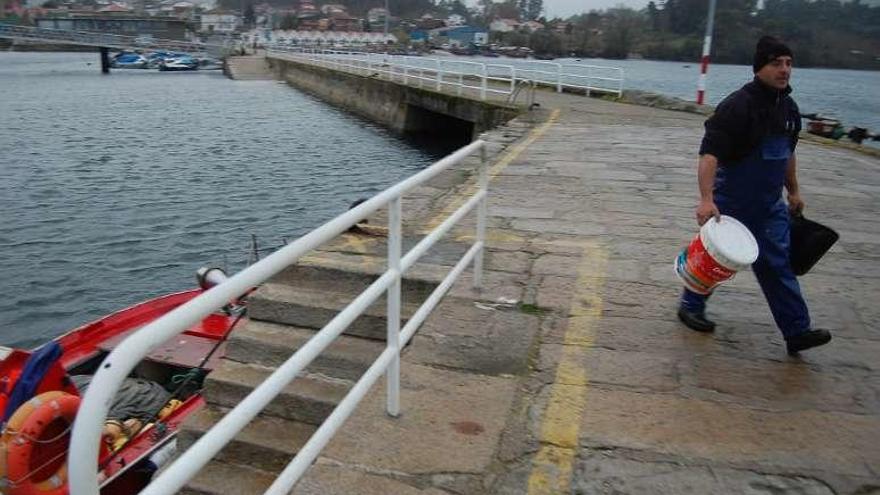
[(39, 398)]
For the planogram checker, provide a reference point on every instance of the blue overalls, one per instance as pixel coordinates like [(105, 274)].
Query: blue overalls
[(750, 190)]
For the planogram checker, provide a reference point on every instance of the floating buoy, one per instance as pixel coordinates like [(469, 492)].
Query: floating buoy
[(35, 445)]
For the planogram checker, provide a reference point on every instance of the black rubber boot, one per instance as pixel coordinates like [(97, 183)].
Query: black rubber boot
[(807, 340), (696, 321)]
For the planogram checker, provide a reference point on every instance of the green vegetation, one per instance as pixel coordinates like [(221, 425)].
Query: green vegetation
[(532, 309), (824, 33)]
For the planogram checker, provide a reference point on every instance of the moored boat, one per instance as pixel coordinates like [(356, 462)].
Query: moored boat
[(128, 60), (179, 64), (40, 392)]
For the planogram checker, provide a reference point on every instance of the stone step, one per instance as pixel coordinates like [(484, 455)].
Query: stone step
[(271, 344), (267, 443), (308, 398), (218, 478), (311, 307), (329, 269), (248, 68)]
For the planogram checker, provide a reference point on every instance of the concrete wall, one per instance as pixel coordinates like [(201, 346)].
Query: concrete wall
[(404, 109)]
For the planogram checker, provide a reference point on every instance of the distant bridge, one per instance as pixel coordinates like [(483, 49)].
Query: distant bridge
[(106, 42)]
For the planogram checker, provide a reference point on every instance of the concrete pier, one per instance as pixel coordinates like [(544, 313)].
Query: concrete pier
[(569, 372)]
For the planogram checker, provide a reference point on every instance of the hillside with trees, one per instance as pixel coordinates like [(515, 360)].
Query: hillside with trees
[(822, 33)]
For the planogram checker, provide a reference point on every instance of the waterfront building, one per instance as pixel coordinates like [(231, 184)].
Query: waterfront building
[(504, 25), (128, 25), (460, 35), (220, 21)]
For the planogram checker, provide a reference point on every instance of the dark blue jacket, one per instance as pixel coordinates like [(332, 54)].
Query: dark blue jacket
[(748, 115)]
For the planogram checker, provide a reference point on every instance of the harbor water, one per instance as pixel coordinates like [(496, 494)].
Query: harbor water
[(117, 188), (849, 95)]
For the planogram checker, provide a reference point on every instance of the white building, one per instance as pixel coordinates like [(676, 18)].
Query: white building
[(504, 25), (532, 26), (219, 21), (326, 38), (377, 14), (333, 8), (455, 20)]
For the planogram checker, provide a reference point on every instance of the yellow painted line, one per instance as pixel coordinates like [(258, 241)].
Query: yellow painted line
[(494, 170), (552, 466)]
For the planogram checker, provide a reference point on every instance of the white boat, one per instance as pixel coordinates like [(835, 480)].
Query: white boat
[(179, 64), (129, 61)]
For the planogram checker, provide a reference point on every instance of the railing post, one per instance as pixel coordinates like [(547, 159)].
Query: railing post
[(559, 78), (392, 376), (439, 75), (485, 83), (483, 185)]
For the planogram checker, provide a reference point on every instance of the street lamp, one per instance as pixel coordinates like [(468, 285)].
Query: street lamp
[(704, 61)]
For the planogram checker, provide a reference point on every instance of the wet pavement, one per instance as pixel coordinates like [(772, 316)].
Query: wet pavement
[(588, 383)]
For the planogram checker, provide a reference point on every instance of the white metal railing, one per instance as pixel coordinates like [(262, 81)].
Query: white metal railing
[(97, 39), (473, 77), (482, 77), (83, 457)]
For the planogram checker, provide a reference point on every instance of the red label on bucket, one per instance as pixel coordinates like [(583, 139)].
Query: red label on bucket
[(699, 270), (703, 266)]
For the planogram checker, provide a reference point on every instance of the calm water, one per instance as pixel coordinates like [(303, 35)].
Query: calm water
[(850, 95), (117, 188)]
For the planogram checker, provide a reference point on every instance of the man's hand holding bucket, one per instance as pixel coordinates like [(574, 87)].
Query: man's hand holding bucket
[(706, 210)]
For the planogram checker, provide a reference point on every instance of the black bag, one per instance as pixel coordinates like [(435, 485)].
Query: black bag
[(809, 242)]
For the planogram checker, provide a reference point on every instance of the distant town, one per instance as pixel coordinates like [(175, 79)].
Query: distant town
[(263, 23), (663, 30)]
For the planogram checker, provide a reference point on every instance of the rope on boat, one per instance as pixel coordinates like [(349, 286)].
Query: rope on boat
[(37, 440), (159, 428)]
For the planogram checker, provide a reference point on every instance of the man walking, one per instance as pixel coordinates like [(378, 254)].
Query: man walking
[(746, 157)]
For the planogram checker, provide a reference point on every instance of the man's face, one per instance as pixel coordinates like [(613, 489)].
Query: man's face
[(777, 73)]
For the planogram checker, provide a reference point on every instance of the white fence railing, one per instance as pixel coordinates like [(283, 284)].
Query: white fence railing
[(480, 77), (106, 40), (83, 456)]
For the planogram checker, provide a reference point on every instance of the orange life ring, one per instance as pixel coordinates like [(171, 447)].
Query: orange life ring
[(38, 430)]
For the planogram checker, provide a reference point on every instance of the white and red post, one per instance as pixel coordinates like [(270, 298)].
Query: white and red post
[(704, 61)]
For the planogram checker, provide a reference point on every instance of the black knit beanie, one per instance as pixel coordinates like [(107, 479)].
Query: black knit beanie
[(767, 50)]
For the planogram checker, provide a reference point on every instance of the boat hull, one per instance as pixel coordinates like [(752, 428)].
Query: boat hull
[(83, 349)]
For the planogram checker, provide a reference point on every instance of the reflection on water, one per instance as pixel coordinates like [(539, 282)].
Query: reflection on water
[(117, 188)]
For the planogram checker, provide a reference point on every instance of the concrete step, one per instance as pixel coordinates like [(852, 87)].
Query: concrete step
[(309, 398), (313, 307), (266, 443), (248, 68), (329, 269), (271, 344), (218, 478)]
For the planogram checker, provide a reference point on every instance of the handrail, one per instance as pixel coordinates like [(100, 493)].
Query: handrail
[(83, 457), (558, 75), (99, 39), (437, 71)]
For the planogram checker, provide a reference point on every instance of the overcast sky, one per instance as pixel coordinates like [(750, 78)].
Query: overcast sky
[(566, 8)]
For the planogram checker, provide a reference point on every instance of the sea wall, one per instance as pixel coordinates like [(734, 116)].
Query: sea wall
[(404, 109)]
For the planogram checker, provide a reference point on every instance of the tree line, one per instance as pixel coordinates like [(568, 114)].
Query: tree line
[(825, 33), (822, 33)]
